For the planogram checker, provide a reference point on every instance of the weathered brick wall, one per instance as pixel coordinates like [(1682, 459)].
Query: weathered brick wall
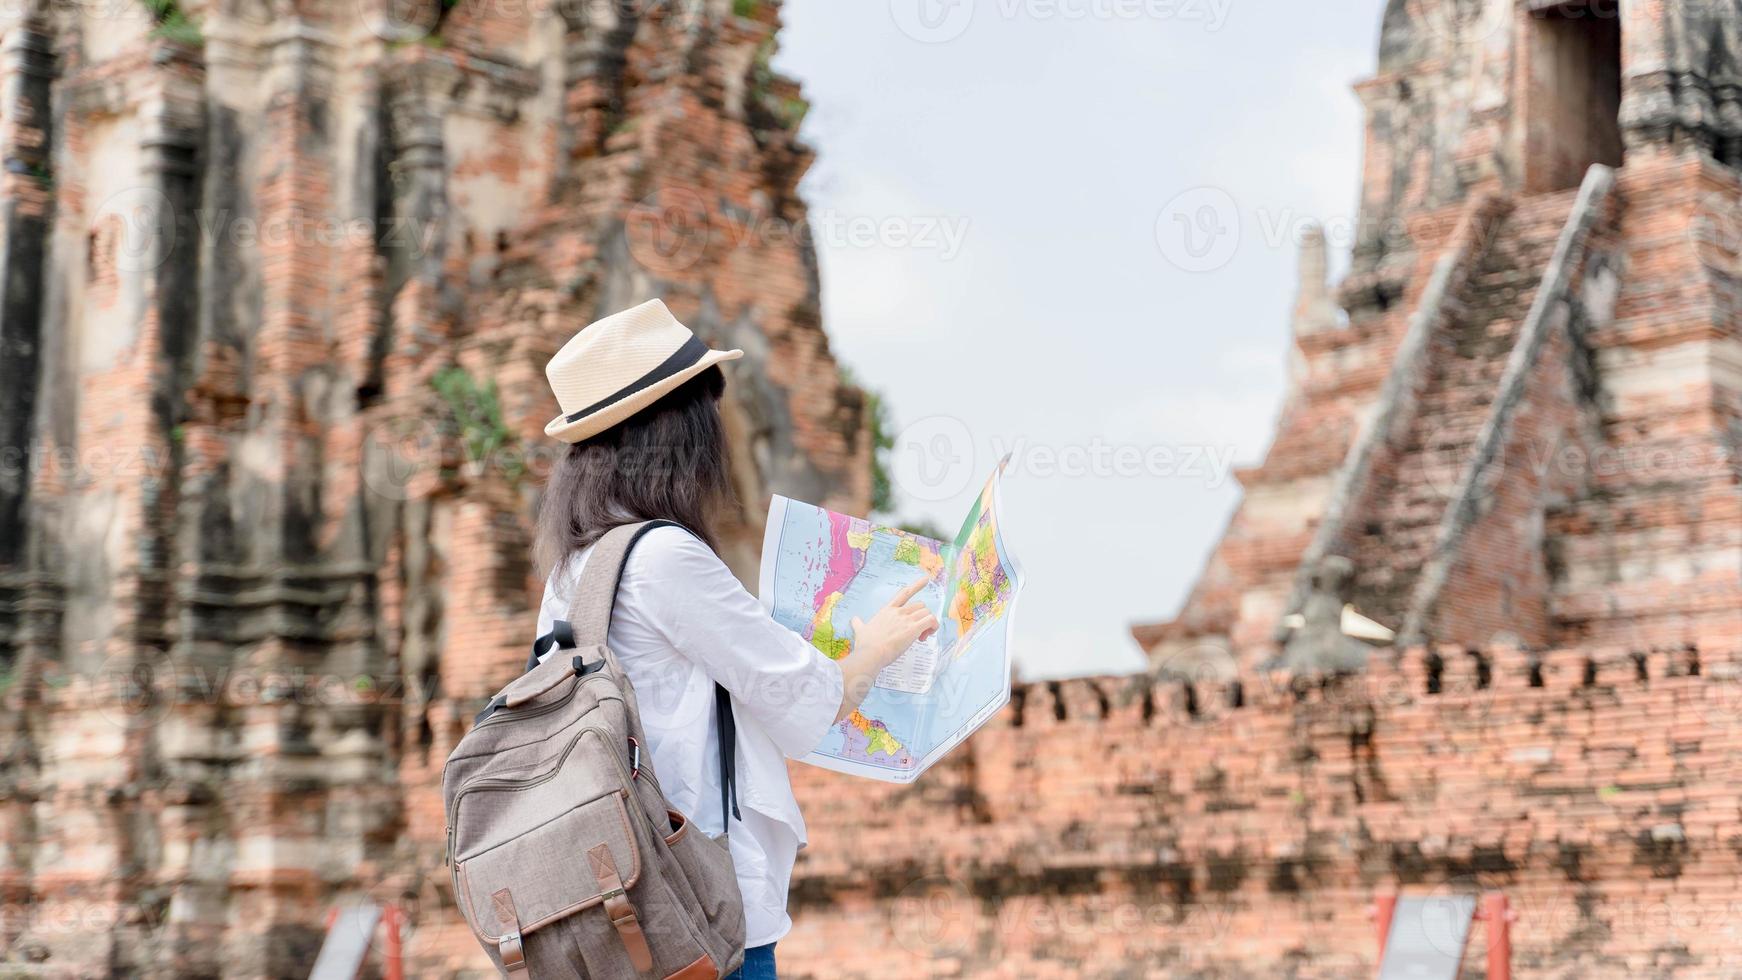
[(1652, 555), (1097, 828), (257, 571)]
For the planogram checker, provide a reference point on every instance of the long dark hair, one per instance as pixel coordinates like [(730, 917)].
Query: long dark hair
[(668, 462)]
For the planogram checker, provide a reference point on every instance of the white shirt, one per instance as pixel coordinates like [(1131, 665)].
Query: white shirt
[(683, 622)]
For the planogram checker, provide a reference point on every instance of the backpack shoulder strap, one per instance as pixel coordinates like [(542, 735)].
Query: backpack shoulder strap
[(589, 623), (596, 594)]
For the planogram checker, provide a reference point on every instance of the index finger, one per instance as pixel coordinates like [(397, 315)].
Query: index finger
[(906, 595)]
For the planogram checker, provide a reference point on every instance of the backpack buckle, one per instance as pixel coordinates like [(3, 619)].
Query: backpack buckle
[(510, 947), (634, 758)]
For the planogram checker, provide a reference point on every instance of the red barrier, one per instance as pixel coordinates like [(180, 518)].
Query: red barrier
[(1384, 908), (1493, 910), (1499, 918)]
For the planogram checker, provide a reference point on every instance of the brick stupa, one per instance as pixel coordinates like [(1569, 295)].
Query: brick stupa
[(1513, 441)]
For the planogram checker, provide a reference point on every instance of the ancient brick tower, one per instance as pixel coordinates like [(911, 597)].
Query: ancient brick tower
[(1520, 415), (263, 519)]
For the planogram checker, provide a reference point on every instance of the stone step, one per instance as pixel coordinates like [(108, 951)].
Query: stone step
[(1466, 362)]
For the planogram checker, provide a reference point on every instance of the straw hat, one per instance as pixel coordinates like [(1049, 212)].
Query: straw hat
[(620, 365)]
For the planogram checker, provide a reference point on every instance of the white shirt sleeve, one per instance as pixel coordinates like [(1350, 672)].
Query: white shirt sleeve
[(690, 597)]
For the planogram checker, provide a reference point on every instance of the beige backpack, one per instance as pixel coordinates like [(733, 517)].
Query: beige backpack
[(567, 861)]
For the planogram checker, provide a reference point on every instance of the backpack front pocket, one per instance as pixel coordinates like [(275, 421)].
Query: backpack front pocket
[(551, 867), (575, 903)]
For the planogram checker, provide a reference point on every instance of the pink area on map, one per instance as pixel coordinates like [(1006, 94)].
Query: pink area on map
[(843, 564)]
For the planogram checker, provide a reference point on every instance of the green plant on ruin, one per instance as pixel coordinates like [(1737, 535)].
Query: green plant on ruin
[(786, 112), (172, 23), (882, 441), (793, 110), (762, 69), (746, 8), (475, 411), (435, 41), (877, 426)]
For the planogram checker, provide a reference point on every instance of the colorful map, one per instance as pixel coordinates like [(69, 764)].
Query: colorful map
[(821, 570), (982, 582)]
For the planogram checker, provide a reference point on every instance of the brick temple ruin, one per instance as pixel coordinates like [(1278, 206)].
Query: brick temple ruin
[(1519, 413), (1513, 441), (264, 522)]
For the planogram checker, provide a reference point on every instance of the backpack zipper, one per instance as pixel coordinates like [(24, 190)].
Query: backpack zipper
[(529, 782), (522, 714), (542, 709)]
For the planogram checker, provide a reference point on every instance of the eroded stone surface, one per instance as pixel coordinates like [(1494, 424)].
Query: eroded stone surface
[(256, 570)]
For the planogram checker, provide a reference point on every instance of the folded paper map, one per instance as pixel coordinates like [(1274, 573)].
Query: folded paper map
[(820, 570)]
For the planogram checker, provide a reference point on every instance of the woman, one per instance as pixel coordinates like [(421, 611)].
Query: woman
[(640, 396)]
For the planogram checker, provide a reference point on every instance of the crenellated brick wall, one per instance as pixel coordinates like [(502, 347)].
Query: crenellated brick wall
[(1117, 827)]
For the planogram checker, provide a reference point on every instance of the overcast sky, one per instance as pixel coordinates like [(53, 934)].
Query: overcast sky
[(1067, 229)]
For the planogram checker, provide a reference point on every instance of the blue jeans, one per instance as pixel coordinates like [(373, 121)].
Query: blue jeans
[(758, 964)]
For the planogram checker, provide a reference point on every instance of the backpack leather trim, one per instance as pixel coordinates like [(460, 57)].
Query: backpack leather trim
[(621, 911), (701, 969), (510, 948), (527, 928), (683, 826)]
